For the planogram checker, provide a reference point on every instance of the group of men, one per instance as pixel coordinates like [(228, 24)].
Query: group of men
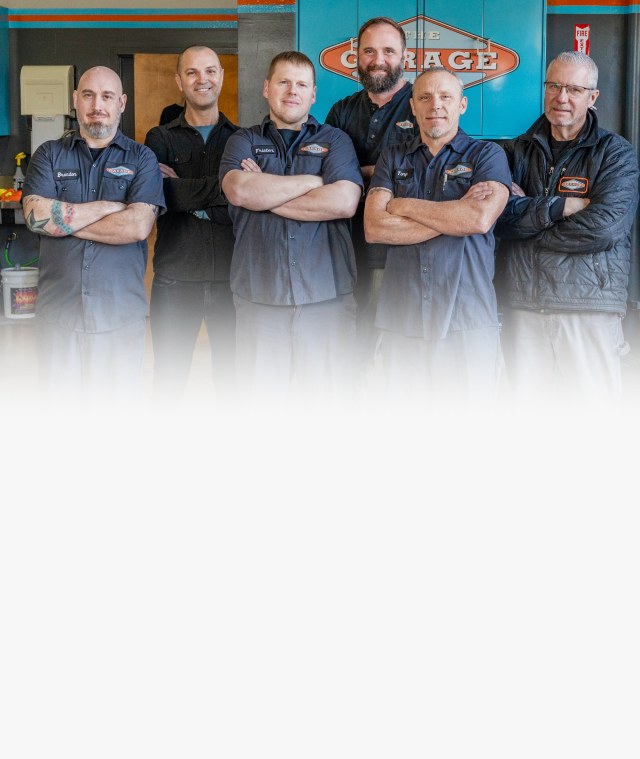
[(278, 236)]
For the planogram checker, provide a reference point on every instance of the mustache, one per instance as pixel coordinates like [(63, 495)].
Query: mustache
[(378, 67)]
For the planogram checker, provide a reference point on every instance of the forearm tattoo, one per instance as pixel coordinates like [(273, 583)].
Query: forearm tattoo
[(380, 189), (155, 209), (60, 218)]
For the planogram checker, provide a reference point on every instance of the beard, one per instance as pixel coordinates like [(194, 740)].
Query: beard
[(379, 84), (100, 130), (435, 132)]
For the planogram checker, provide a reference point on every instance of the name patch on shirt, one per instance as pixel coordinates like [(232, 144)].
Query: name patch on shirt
[(405, 124), (65, 175), (264, 150), (400, 174), (455, 170), (314, 148), (574, 184), (120, 170)]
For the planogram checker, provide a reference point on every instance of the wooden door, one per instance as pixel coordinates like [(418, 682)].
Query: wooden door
[(155, 88)]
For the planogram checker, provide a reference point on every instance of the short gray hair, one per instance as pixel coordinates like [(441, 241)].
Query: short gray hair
[(574, 58), (440, 70)]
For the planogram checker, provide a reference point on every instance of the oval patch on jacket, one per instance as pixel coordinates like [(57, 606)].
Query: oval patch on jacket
[(405, 124), (314, 148), (574, 184), (120, 171), (459, 170)]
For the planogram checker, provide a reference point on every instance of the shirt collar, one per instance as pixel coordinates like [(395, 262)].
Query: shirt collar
[(459, 143), (119, 139), (402, 94), (310, 124), (181, 121)]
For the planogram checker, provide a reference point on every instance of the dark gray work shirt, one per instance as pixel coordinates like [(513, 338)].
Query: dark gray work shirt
[(89, 286), (282, 262), (444, 284), (190, 247), (373, 128)]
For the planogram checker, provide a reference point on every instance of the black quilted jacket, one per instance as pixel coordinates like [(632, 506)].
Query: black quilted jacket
[(581, 262)]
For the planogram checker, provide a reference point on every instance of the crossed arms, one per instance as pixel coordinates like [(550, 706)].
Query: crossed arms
[(408, 221), (101, 220), (302, 197)]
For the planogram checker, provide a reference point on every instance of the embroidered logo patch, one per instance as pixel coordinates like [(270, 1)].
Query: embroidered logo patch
[(400, 174), (263, 150), (120, 171), (460, 170), (405, 124), (313, 148), (66, 174), (574, 184)]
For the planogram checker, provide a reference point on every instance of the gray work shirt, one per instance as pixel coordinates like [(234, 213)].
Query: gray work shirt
[(444, 284), (89, 286), (282, 262)]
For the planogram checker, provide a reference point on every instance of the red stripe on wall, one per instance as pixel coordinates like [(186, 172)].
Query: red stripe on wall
[(266, 2), (74, 17), (619, 3)]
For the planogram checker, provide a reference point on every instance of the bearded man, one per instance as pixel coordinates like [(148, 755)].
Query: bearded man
[(375, 117), (93, 197)]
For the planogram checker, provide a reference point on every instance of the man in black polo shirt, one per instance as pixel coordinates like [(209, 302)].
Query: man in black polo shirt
[(93, 196), (292, 184), (195, 238), (434, 202), (377, 116)]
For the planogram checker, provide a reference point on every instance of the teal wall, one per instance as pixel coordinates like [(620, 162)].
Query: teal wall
[(4, 73)]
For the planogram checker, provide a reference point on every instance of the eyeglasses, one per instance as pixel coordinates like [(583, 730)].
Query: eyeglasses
[(573, 91)]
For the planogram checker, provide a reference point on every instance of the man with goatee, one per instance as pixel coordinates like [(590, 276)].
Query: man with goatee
[(93, 197), (375, 117)]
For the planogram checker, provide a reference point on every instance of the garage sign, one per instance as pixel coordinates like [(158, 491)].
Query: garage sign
[(433, 43)]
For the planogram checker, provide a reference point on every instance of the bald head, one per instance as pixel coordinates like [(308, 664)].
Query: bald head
[(102, 77), (195, 51), (199, 78), (99, 102)]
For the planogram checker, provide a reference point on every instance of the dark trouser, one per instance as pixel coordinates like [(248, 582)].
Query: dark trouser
[(314, 341), (462, 368), (177, 311), (585, 346), (101, 369), (368, 336)]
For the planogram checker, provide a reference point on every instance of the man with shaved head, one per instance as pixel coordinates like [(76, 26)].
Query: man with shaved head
[(93, 197), (433, 202), (192, 257)]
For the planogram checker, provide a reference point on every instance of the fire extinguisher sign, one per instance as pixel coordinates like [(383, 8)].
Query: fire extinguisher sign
[(581, 41)]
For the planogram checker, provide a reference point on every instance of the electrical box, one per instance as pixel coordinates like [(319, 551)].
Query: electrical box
[(497, 49), (46, 94)]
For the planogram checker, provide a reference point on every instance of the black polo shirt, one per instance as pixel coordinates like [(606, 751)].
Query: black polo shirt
[(278, 261), (444, 284), (190, 248), (89, 286), (372, 129)]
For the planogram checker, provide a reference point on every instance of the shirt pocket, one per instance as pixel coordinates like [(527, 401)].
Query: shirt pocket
[(114, 189), (180, 162), (309, 164), (457, 188), (69, 192), (399, 136)]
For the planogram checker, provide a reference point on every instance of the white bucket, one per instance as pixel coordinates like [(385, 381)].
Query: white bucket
[(20, 292)]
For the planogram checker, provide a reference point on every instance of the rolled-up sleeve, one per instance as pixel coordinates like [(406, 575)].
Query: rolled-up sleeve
[(342, 162), (146, 186), (39, 178)]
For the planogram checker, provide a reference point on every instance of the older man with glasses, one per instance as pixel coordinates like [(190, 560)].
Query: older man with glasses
[(564, 255)]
